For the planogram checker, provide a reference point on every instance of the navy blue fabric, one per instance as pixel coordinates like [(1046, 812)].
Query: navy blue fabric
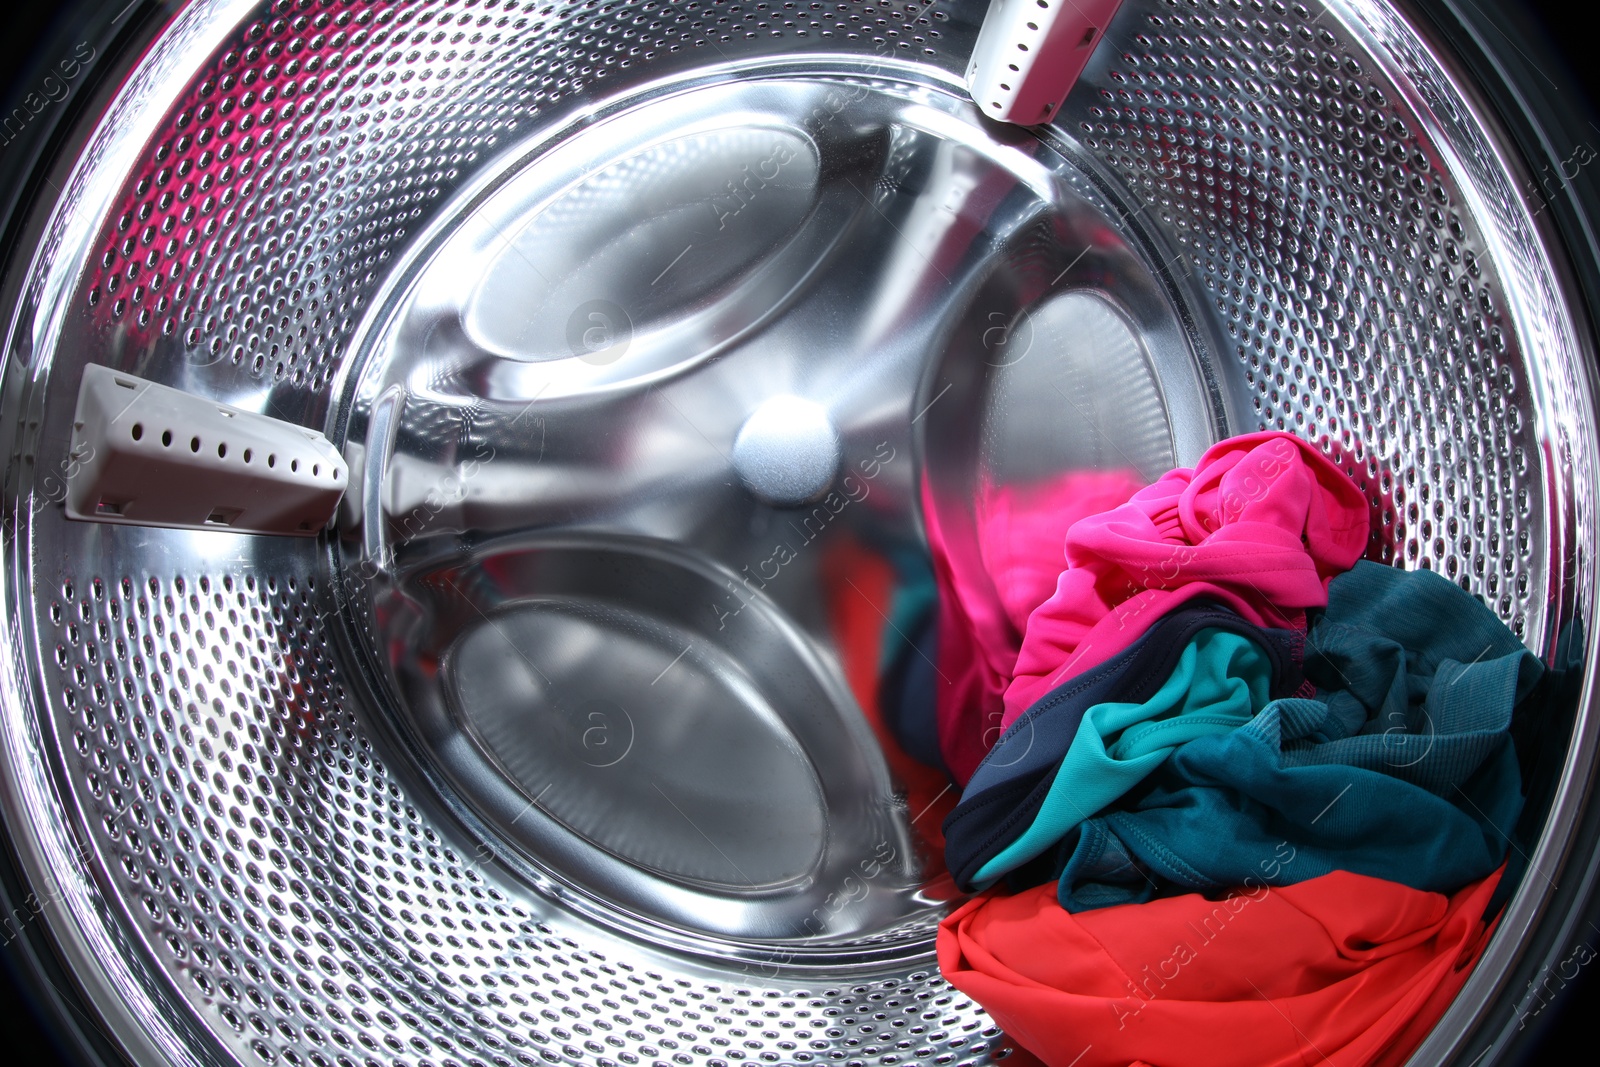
[(1010, 785), (907, 697), (1401, 768), (1539, 729)]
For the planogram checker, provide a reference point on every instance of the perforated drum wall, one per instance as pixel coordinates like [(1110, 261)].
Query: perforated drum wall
[(1353, 283)]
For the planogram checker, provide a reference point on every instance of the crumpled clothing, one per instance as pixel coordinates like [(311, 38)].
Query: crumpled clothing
[(859, 587), (1343, 970), (1261, 524), (1220, 681), (907, 694), (987, 594), (1401, 768), (1027, 791)]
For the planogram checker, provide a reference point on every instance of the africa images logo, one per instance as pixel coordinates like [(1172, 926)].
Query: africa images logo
[(598, 332), (53, 88)]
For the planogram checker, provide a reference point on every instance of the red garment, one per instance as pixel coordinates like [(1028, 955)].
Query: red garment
[(859, 589), (985, 598), (1261, 524), (1341, 970)]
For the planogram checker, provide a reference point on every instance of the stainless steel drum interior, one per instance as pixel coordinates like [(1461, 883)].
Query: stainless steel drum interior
[(630, 318)]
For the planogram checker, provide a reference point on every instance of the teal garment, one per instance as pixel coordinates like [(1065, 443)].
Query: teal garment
[(907, 696), (1222, 679), (1401, 768), (915, 601)]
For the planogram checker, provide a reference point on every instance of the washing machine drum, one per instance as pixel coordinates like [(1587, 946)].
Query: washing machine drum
[(464, 460)]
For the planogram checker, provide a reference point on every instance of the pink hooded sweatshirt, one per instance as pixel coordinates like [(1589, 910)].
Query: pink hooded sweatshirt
[(985, 598), (1261, 524)]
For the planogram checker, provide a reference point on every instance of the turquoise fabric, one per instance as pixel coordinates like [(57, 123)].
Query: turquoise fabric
[(1221, 681), (907, 696), (1401, 768)]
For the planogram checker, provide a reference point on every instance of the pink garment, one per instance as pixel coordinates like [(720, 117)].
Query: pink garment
[(987, 595), (1261, 524)]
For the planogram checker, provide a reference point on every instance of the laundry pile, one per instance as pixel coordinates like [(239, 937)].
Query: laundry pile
[(1231, 794)]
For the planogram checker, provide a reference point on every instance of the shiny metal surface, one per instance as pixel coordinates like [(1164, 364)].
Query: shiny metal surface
[(787, 452), (294, 796), (755, 403), (584, 697)]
